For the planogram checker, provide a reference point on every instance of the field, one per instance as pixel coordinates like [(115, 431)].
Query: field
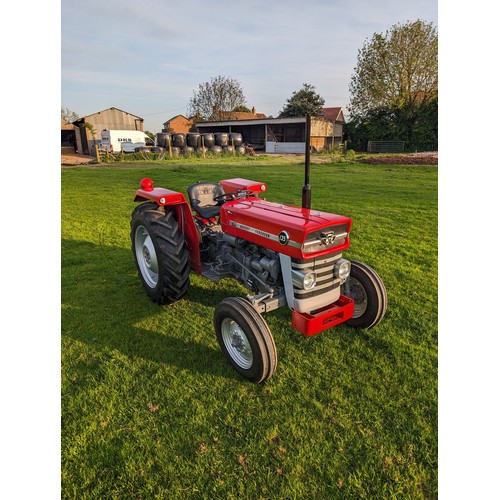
[(151, 408)]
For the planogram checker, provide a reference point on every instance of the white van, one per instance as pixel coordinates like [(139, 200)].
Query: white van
[(128, 141)]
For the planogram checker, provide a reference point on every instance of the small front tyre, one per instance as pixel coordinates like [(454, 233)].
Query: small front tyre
[(245, 339), (367, 290)]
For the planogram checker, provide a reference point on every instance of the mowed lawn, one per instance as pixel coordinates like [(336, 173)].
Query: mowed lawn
[(152, 409)]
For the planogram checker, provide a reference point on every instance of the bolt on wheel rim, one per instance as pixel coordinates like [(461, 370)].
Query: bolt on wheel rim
[(146, 256), (358, 293), (237, 343)]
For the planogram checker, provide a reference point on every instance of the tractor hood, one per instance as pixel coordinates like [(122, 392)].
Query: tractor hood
[(298, 232)]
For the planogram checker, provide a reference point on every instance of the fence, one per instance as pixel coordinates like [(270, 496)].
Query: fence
[(386, 146)]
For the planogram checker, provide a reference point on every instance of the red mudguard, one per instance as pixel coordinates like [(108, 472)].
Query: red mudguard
[(167, 197)]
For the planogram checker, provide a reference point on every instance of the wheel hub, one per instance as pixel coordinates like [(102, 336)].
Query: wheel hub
[(358, 294), (237, 343), (146, 256)]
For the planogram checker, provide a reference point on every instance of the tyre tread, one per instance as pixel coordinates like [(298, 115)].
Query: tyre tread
[(260, 330), (172, 252), (381, 296)]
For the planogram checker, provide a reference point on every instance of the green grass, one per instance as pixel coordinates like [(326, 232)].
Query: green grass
[(151, 408)]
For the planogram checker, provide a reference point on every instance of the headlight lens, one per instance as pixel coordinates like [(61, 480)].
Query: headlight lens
[(309, 280), (342, 269), (303, 279)]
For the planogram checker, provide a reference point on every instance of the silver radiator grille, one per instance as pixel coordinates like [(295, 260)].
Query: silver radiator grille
[(327, 287)]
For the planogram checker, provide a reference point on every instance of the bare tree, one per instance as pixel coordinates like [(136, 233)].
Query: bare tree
[(68, 115), (215, 100)]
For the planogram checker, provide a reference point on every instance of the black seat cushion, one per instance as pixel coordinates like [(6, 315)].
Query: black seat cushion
[(201, 196)]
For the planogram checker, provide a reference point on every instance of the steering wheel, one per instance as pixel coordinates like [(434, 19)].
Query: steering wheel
[(233, 196)]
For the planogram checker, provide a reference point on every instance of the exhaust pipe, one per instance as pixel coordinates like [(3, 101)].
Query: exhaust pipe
[(306, 188)]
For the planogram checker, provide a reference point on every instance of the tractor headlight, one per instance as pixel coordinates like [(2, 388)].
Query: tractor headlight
[(303, 279), (342, 269)]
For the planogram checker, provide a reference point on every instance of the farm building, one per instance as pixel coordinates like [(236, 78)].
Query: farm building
[(283, 135), (110, 119), (178, 124), (68, 137), (335, 115)]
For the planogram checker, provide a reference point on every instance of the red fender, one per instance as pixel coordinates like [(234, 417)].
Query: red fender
[(166, 197)]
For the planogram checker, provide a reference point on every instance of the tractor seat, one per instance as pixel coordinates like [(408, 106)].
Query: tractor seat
[(201, 196)]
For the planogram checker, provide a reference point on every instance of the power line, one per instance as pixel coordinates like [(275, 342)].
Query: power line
[(161, 112)]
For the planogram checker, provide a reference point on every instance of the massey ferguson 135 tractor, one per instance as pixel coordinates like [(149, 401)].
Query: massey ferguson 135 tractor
[(285, 256)]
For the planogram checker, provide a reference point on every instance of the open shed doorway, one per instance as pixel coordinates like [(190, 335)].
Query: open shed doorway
[(68, 141)]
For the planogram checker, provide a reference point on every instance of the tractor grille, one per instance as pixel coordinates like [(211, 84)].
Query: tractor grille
[(327, 286), (329, 237)]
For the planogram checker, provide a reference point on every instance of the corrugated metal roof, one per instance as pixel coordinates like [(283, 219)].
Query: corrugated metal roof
[(255, 121), (82, 119)]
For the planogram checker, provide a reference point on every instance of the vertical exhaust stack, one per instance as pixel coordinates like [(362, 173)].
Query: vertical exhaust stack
[(306, 188)]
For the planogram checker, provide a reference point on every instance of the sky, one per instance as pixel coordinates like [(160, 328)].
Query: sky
[(148, 57)]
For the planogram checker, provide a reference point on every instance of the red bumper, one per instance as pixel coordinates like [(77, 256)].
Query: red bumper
[(332, 315)]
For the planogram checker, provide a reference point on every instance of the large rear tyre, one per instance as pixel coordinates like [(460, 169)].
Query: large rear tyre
[(160, 253), (245, 339), (367, 290)]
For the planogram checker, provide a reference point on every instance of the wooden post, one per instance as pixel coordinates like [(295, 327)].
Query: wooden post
[(203, 145), (169, 146), (98, 158), (232, 143)]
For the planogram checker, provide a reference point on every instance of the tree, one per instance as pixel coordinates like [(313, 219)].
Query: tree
[(91, 129), (68, 115), (241, 109), (398, 70), (216, 98), (394, 88), (302, 102)]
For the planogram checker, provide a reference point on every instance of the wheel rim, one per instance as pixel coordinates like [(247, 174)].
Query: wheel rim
[(236, 343), (357, 293), (146, 256)]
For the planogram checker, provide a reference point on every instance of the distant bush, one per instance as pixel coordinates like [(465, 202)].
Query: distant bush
[(338, 154)]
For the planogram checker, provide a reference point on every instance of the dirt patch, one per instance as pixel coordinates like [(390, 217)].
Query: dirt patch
[(74, 159), (403, 159)]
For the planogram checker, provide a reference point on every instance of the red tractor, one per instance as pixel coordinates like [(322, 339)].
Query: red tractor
[(285, 256)]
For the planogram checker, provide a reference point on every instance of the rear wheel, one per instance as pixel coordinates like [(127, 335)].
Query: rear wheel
[(367, 290), (160, 253), (245, 339)]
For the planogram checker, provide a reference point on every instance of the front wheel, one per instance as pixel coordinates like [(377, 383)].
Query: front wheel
[(245, 339), (367, 290)]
